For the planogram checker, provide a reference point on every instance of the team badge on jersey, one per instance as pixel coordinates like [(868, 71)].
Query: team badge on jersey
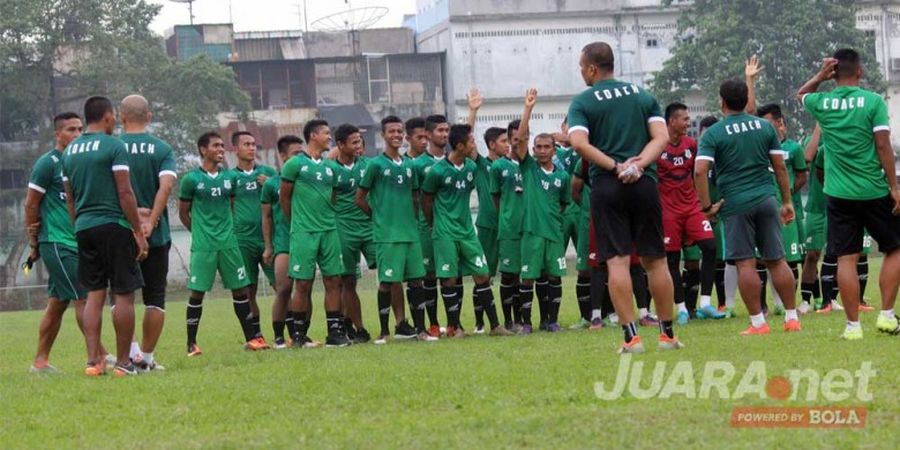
[(227, 184)]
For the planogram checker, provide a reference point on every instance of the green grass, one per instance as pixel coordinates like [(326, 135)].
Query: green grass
[(534, 391)]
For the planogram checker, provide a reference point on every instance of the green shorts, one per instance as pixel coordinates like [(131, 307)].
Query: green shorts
[(281, 243), (583, 246), (252, 254), (455, 257), (309, 249), (815, 231), (510, 252), (571, 220), (488, 239), (427, 249), (691, 253), (399, 261), (800, 220), (719, 235), (228, 262), (352, 247), (61, 262), (541, 256), (793, 247)]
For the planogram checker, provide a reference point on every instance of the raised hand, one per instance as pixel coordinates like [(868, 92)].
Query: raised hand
[(752, 67), (530, 97), (475, 99), (827, 72)]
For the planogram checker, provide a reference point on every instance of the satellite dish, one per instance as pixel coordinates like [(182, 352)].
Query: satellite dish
[(350, 20), (190, 4)]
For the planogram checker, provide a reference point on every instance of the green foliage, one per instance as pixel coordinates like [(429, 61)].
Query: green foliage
[(103, 47), (790, 37)]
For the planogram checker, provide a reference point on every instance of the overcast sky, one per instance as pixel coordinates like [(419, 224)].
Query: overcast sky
[(261, 15)]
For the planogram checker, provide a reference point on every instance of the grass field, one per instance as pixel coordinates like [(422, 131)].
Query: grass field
[(481, 392)]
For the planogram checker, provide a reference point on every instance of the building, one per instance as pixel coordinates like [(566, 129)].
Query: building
[(504, 47)]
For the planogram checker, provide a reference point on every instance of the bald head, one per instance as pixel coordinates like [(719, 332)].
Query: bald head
[(135, 110)]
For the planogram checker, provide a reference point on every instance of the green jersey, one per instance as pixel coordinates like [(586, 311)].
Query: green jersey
[(566, 159), (815, 200), (212, 218), (247, 210), (391, 185), (487, 212), (506, 180), (452, 187), (350, 219), (545, 195), (421, 165), (46, 178), (739, 145), (795, 161), (849, 117), (314, 182), (88, 164), (271, 193), (150, 158), (616, 115)]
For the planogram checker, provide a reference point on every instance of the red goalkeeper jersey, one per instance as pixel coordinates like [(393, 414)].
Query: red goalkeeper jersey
[(676, 178)]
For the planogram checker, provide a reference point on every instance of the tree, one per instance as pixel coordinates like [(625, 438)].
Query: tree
[(790, 37)]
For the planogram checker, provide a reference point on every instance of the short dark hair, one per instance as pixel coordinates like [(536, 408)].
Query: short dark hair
[(771, 108), (96, 107), (343, 132), (390, 119), (236, 136), (412, 124), (600, 54), (284, 143), (511, 127), (545, 136), (708, 121), (492, 134), (62, 117), (459, 134), (312, 127), (848, 62), (205, 139), (734, 93), (672, 107), (432, 121)]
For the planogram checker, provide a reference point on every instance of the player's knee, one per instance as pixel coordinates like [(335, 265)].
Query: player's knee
[(384, 287)]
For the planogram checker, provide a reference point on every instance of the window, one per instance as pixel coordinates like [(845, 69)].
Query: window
[(652, 43)]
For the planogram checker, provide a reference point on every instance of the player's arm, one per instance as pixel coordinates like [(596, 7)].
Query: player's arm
[(812, 147), (362, 200), (522, 148), (184, 212), (70, 200), (751, 71), (33, 218), (800, 179), (475, 101), (659, 137), (781, 177), (577, 186), (701, 185), (284, 198), (166, 182), (428, 207), (886, 156), (267, 232), (826, 72), (128, 203)]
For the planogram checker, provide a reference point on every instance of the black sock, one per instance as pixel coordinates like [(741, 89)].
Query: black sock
[(554, 294), (347, 327), (416, 298), (862, 268), (598, 290), (254, 324), (540, 288), (242, 311), (484, 296), (691, 288), (335, 323), (517, 307), (606, 305), (194, 311), (300, 324), (829, 283), (478, 308), (630, 331), (583, 293), (665, 327), (384, 311), (720, 283), (639, 286), (289, 324), (526, 297), (507, 300), (806, 292), (451, 296), (431, 294), (278, 329), (763, 279), (816, 289)]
